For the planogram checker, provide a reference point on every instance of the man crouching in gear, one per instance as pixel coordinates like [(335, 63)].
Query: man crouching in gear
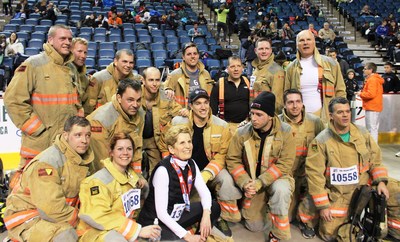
[(341, 158), (260, 158), (43, 205)]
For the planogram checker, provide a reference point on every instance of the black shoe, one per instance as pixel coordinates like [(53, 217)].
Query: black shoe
[(272, 238), (306, 231), (223, 226)]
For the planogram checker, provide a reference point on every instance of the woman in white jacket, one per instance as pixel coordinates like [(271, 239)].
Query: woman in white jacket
[(13, 45)]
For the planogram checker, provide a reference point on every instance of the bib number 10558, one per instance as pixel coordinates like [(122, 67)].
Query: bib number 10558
[(344, 176)]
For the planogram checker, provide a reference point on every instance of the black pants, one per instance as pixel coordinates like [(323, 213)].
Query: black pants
[(190, 218), (7, 7)]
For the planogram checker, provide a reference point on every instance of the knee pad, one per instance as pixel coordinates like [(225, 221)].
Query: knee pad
[(114, 236), (68, 235), (255, 225)]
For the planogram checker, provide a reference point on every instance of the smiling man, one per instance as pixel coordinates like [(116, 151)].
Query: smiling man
[(159, 111), (122, 114), (43, 94), (230, 97), (267, 75), (103, 84), (190, 76), (79, 48), (342, 157), (305, 126), (43, 206), (318, 77)]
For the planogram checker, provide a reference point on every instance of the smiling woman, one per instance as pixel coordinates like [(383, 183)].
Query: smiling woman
[(172, 181), (103, 217)]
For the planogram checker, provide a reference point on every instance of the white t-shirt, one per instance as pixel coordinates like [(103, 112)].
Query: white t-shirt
[(309, 85)]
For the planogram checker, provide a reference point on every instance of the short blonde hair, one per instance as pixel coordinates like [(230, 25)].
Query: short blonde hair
[(171, 137), (79, 40)]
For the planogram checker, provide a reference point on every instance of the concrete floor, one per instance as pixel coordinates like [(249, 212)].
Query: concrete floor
[(241, 234)]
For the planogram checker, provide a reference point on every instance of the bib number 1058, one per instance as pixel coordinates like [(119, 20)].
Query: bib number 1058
[(344, 176)]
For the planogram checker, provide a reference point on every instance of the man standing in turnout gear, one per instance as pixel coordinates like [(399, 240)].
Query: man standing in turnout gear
[(190, 76), (43, 206), (43, 94), (260, 158), (318, 77), (103, 84), (159, 112), (122, 114), (341, 158), (305, 126)]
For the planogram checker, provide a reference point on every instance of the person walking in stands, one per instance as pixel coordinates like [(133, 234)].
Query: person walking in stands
[(372, 97), (351, 84), (222, 17), (43, 93)]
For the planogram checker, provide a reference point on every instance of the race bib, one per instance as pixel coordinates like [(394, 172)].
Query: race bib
[(131, 201), (177, 211), (344, 176)]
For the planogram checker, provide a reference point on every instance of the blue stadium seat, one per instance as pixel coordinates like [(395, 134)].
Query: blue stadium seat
[(173, 39), (157, 46), (213, 64), (169, 32), (142, 54), (86, 30), (11, 28), (103, 62), (31, 51), (203, 47), (124, 45), (143, 63), (35, 43), (115, 31), (142, 32), (90, 63), (159, 54), (24, 35), (184, 39), (106, 53), (212, 48), (38, 35), (199, 40), (100, 37), (159, 63), (26, 28), (106, 45), (127, 26), (130, 38), (92, 53), (46, 22), (129, 32), (98, 31), (41, 28), (159, 39), (144, 38), (115, 38), (18, 21), (156, 32), (86, 36)]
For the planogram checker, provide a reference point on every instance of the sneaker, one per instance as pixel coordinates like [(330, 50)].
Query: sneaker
[(272, 238), (223, 226), (306, 231)]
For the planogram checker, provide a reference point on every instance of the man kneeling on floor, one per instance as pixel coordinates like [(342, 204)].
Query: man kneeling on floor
[(43, 205), (260, 158)]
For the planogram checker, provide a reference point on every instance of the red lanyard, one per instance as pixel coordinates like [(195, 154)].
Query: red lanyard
[(185, 188)]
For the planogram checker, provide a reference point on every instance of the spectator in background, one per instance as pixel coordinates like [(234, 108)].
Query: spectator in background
[(393, 29), (40, 7), (101, 22), (244, 33), (327, 34), (250, 55), (273, 32), (90, 21), (98, 3), (344, 66), (287, 32), (172, 22), (222, 15), (114, 21), (13, 45), (312, 30), (351, 84), (201, 19), (196, 31), (304, 4), (113, 9), (271, 13), (7, 8), (23, 9), (231, 16), (381, 33), (372, 97), (392, 83), (127, 17), (50, 13), (365, 11)]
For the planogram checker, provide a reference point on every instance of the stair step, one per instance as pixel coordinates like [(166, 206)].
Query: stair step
[(334, 18), (335, 22), (348, 38), (340, 27), (344, 31)]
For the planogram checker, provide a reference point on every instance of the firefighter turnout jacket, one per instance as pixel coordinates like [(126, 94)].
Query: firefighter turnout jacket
[(45, 200), (110, 119), (178, 81), (109, 202), (41, 96)]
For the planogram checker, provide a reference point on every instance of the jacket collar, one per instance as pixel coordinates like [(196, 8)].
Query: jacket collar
[(120, 177), (200, 67), (260, 64), (71, 154), (111, 69), (58, 59), (132, 120), (144, 91), (287, 119), (317, 56)]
